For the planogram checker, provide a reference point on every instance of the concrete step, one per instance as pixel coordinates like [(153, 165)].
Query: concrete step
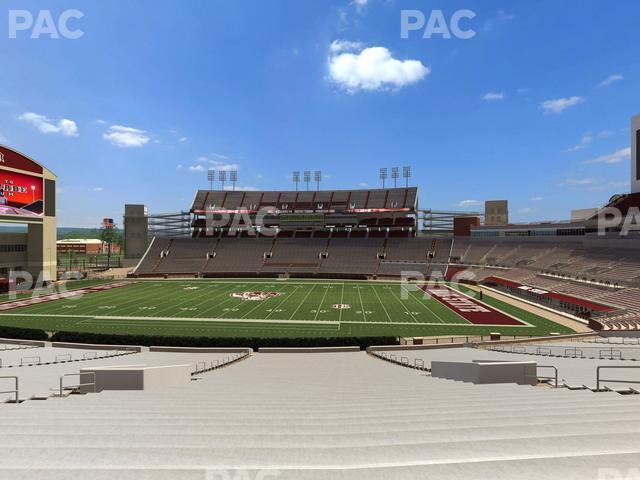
[(183, 438), (379, 456)]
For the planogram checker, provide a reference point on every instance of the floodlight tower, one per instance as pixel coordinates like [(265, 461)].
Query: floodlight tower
[(406, 174), (307, 178), (317, 176), (383, 175), (296, 178), (211, 176), (233, 176), (395, 173), (222, 176)]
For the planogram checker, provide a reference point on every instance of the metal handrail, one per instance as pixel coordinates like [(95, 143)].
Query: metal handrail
[(418, 365), (62, 356), (598, 379), (90, 355), (611, 351), (555, 377), (540, 348), (79, 384), (17, 389), (22, 360), (575, 352)]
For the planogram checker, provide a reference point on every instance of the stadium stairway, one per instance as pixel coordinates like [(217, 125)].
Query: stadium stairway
[(323, 416)]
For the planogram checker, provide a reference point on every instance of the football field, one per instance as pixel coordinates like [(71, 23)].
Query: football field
[(273, 308)]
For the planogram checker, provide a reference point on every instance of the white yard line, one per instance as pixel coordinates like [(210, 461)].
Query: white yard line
[(428, 308), (284, 300), (364, 313), (326, 290), (302, 302), (403, 306), (383, 307)]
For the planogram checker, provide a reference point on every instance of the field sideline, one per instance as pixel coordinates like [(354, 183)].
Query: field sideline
[(272, 308)]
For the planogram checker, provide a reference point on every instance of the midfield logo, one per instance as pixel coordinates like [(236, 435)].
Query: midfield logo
[(255, 296), (341, 306)]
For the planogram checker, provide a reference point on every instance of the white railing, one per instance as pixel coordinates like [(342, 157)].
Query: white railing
[(16, 390), (79, 385)]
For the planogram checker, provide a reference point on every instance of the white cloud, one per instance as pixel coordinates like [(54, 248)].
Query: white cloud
[(179, 166), (610, 79), (240, 189), (619, 183), (183, 139), (363, 184), (3, 139), (196, 168), (360, 5), (126, 137), (97, 189), (525, 210), (611, 158), (217, 162), (101, 122), (605, 134), (65, 127), (577, 182), (588, 138), (537, 199), (501, 16), (585, 140), (345, 46), (373, 69), (469, 203), (560, 104), (493, 96)]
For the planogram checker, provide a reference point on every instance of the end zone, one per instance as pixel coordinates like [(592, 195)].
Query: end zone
[(469, 308)]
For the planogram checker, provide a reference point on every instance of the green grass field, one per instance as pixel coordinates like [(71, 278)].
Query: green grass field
[(301, 309)]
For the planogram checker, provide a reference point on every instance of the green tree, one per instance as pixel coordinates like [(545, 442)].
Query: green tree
[(111, 236)]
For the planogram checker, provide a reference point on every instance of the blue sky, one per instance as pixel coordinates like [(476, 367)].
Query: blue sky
[(534, 108)]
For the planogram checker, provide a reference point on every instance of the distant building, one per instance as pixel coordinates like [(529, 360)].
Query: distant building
[(496, 213)]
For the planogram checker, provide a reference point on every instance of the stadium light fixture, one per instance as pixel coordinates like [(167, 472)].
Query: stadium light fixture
[(383, 175), (317, 176), (395, 173), (222, 176), (406, 174), (296, 178), (211, 176), (233, 176), (307, 178)]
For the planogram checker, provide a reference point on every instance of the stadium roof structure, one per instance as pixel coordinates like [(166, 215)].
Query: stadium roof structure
[(386, 200)]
